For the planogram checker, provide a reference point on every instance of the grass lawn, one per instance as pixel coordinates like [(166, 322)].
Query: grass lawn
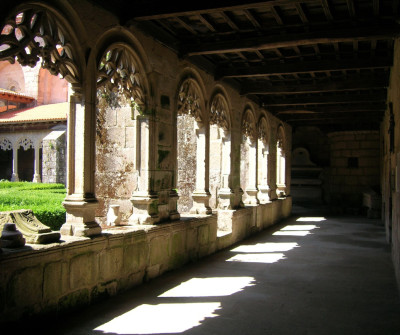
[(44, 199)]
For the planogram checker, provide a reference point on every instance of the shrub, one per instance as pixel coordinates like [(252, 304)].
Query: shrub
[(45, 200)]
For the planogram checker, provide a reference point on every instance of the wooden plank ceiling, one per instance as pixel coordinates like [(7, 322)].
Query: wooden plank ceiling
[(324, 63)]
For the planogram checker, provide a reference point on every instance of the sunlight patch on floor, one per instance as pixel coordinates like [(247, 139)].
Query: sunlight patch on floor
[(209, 287), (267, 258), (161, 318), (266, 247), (311, 219)]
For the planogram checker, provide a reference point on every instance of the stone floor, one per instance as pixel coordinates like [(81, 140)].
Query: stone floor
[(311, 274)]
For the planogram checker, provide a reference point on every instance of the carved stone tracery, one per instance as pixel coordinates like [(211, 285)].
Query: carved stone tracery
[(33, 35), (280, 139), (118, 70), (189, 100), (248, 127), (262, 131), (219, 112), (25, 143), (5, 144)]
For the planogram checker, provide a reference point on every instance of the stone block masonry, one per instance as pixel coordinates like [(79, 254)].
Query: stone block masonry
[(40, 279)]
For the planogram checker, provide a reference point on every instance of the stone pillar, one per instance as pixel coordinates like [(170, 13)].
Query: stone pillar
[(263, 185), (36, 173), (226, 195), (251, 189), (280, 172), (80, 201), (201, 195), (145, 199), (14, 176)]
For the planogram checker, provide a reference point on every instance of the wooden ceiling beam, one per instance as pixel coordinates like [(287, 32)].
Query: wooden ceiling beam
[(207, 23), (327, 9), (209, 7), (337, 109), (276, 13), (266, 42), (324, 100), (300, 11), (318, 87), (252, 19), (276, 68)]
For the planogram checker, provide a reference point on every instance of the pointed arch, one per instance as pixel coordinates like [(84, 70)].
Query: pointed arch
[(248, 154), (280, 161), (35, 33)]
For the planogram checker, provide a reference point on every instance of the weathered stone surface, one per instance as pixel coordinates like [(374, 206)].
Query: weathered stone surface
[(33, 230)]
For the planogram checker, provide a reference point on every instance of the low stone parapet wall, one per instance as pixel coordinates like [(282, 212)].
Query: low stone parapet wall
[(39, 279)]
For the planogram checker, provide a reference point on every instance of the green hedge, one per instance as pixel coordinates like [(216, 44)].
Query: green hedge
[(44, 199)]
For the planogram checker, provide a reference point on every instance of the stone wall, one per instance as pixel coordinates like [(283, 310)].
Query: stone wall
[(390, 180), (354, 168), (116, 150), (55, 278), (54, 168)]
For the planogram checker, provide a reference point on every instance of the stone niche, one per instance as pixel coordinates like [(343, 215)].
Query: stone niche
[(305, 181)]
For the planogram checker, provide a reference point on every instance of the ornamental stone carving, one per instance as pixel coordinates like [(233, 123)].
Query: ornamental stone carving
[(189, 100), (5, 144), (25, 143), (219, 112), (33, 35), (118, 70), (248, 127), (262, 131)]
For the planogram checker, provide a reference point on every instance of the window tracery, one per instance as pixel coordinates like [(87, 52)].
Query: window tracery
[(25, 143), (262, 131), (189, 100), (248, 127), (33, 35), (118, 70), (219, 111), (5, 144)]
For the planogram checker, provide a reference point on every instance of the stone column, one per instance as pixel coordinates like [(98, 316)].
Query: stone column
[(251, 189), (201, 195), (280, 173), (263, 185), (36, 174), (226, 196), (14, 176), (80, 201), (145, 199)]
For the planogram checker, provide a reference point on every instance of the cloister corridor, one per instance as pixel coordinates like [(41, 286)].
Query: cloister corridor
[(310, 274)]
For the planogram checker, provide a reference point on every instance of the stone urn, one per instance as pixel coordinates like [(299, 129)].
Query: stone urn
[(11, 237), (113, 216)]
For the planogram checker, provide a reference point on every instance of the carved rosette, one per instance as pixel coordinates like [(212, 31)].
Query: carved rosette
[(5, 144), (189, 100), (118, 70), (248, 128), (31, 36), (25, 143), (219, 111)]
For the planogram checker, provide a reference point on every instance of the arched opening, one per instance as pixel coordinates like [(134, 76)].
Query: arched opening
[(262, 167), (120, 99), (220, 153), (280, 162), (26, 160), (191, 143), (6, 159), (248, 161)]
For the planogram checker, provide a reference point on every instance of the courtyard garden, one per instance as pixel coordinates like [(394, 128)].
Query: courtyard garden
[(45, 200)]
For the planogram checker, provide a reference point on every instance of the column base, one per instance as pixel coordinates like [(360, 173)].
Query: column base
[(263, 194), (226, 198), (251, 198), (201, 200), (145, 209), (36, 179), (173, 205), (14, 177), (80, 217)]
